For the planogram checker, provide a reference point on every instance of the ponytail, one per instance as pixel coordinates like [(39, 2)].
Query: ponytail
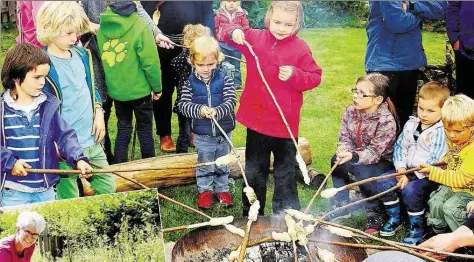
[(393, 110)]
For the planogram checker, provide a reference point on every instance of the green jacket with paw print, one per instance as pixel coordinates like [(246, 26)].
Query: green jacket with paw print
[(129, 56)]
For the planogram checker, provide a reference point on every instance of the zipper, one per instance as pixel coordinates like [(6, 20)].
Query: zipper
[(44, 166), (358, 140), (57, 92), (208, 88), (273, 46)]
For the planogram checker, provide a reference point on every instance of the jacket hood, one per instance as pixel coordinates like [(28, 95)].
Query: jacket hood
[(115, 26)]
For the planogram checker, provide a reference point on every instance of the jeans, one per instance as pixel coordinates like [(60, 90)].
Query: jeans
[(257, 168), (415, 195), (184, 137), (101, 183), (143, 110), (209, 148), (340, 177), (229, 50), (12, 197)]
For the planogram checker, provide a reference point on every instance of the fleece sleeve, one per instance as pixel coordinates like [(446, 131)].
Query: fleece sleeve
[(307, 74), (149, 60)]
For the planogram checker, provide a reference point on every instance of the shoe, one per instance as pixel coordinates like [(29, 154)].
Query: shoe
[(191, 141), (371, 230), (394, 222), (167, 145), (205, 200), (417, 230), (225, 199)]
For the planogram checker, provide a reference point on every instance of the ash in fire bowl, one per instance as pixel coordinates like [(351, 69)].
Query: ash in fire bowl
[(215, 243)]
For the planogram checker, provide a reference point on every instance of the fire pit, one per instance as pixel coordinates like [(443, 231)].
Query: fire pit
[(211, 244)]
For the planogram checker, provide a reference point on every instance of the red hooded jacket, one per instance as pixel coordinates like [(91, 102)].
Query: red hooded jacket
[(224, 21), (257, 110)]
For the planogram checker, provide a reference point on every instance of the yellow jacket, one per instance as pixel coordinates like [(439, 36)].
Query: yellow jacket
[(459, 174)]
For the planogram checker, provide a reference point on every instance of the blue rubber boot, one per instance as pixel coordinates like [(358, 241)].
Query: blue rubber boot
[(417, 230), (394, 222)]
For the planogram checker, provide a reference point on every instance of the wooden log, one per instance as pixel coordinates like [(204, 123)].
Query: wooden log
[(175, 177)]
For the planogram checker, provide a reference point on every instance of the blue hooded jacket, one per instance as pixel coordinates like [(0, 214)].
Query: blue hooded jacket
[(460, 26), (52, 129), (395, 36)]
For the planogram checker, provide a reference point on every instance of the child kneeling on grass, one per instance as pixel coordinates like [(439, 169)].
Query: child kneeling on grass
[(421, 141), (448, 203), (209, 93), (30, 126), (366, 138)]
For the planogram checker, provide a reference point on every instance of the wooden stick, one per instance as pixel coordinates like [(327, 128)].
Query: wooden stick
[(173, 229), (273, 96), (233, 150), (360, 201), (245, 241), (309, 253), (159, 194), (371, 179), (471, 257), (322, 185), (229, 56), (412, 252), (346, 244)]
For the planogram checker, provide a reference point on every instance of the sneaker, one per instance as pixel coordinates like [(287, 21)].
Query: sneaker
[(371, 230), (390, 227), (225, 199), (205, 200), (167, 145)]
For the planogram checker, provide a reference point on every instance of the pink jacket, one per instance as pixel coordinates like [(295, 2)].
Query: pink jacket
[(26, 22), (370, 135), (8, 251), (257, 110), (223, 21)]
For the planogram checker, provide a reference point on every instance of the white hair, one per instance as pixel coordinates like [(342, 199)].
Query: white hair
[(29, 218)]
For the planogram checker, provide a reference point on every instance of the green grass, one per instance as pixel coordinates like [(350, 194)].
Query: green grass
[(340, 53)]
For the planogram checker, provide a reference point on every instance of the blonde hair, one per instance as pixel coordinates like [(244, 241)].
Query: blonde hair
[(239, 7), (204, 46), (434, 90), (458, 109), (191, 32), (56, 16), (288, 6)]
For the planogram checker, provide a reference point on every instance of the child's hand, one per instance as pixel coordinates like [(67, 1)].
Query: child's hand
[(238, 36), (470, 207), (344, 157), (403, 182), (156, 96), (84, 167), (285, 73), (19, 168), (426, 169), (204, 111), (212, 113), (98, 128)]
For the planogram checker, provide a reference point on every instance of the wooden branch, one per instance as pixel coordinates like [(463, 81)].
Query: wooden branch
[(245, 241), (360, 201), (322, 185), (346, 244), (410, 251)]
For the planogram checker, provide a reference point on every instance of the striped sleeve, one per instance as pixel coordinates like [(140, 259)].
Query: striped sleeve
[(451, 178), (438, 146), (229, 99), (185, 104)]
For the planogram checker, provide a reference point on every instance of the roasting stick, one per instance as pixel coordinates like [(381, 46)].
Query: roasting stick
[(229, 56), (219, 221), (322, 185), (253, 216), (328, 193), (299, 157)]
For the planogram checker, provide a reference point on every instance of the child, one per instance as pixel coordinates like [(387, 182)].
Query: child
[(132, 72), (71, 80), (366, 138), (289, 69), (207, 94), (230, 14), (183, 69), (448, 203), (30, 126), (422, 141), (25, 22)]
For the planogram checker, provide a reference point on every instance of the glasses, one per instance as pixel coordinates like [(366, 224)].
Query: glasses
[(359, 94), (30, 234)]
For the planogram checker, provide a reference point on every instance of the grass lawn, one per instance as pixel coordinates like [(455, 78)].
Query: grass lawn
[(340, 53)]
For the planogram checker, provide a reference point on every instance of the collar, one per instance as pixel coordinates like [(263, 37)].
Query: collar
[(13, 104)]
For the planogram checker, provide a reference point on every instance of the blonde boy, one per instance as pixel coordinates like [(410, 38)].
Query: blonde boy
[(448, 203), (59, 23)]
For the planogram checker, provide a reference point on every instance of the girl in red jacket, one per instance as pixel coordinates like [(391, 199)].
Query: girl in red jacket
[(289, 69), (230, 14)]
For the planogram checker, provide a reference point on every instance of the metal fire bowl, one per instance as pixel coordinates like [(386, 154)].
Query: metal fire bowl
[(211, 240)]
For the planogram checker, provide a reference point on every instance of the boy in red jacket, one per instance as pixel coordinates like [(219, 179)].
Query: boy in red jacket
[(230, 14), (289, 69)]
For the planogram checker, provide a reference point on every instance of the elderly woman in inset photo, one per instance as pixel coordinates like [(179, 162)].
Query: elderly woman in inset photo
[(20, 247)]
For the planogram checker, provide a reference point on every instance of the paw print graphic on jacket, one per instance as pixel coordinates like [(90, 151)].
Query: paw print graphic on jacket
[(113, 52)]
